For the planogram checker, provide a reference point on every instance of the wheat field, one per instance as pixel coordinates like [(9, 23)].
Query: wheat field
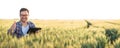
[(65, 34)]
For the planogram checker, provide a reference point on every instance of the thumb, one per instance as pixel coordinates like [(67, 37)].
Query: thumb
[(14, 24)]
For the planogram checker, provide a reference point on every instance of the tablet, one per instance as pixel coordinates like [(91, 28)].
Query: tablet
[(33, 30)]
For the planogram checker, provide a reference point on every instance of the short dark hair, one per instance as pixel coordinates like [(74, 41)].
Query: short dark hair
[(24, 9)]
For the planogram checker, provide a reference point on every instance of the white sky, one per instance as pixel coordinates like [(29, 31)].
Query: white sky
[(62, 9)]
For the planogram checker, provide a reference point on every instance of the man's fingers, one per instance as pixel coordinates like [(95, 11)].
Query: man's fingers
[(13, 26), (14, 23)]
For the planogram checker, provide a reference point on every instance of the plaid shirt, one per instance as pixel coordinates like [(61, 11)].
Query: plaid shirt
[(18, 30)]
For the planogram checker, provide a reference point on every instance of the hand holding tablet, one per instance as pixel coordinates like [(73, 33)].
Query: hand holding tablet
[(33, 30)]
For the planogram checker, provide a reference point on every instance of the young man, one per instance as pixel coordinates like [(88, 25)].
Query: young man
[(21, 27)]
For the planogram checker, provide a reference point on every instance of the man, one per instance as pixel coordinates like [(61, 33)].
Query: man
[(21, 27)]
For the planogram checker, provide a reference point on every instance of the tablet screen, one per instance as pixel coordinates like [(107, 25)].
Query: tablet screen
[(33, 30)]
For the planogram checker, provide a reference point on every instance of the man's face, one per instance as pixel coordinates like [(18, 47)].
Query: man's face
[(24, 16)]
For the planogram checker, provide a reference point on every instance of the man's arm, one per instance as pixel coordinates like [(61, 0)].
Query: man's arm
[(32, 25)]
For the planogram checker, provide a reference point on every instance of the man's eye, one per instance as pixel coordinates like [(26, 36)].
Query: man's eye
[(24, 15)]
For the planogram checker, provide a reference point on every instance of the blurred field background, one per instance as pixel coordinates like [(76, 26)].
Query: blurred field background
[(65, 34)]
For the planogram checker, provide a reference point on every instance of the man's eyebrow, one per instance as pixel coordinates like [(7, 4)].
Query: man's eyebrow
[(23, 14)]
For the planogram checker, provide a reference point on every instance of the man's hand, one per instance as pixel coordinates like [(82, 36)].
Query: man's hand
[(12, 28)]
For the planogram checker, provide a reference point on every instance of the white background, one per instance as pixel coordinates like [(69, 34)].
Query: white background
[(61, 9)]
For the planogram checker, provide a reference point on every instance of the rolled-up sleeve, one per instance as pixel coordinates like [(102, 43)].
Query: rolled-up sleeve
[(10, 31)]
